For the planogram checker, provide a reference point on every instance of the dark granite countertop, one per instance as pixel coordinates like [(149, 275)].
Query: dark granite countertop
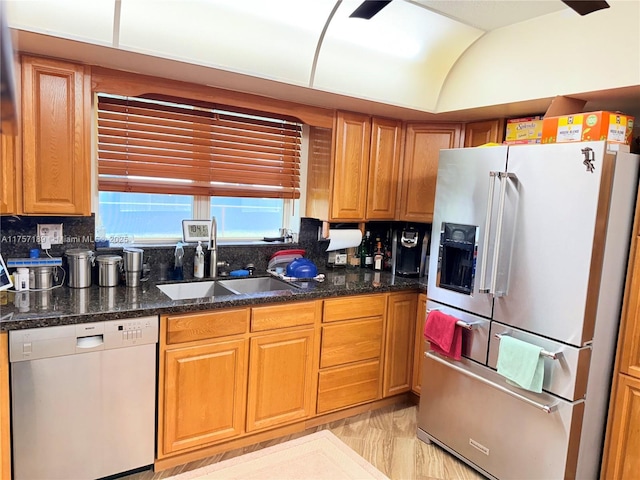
[(65, 306)]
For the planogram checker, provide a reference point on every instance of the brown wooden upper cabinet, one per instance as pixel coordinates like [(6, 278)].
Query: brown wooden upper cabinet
[(479, 133), (362, 166), (55, 160), (8, 174), (384, 169), (420, 167)]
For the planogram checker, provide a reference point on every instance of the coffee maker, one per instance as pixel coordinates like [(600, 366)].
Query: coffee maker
[(409, 251)]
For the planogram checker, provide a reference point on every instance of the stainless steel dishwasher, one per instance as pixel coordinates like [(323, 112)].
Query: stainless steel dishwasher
[(83, 399)]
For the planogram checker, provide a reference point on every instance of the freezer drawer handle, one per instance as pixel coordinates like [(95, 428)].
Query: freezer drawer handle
[(540, 406), (460, 323), (544, 353)]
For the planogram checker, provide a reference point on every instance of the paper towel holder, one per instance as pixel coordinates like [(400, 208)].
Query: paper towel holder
[(323, 231)]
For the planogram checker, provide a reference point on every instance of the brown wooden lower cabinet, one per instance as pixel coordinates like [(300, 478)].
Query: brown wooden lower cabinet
[(280, 379), (348, 385), (348, 342), (351, 352), (204, 394), (420, 345), (231, 374), (399, 343), (624, 448)]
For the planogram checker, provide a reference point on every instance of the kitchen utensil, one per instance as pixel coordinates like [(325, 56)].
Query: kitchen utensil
[(283, 257), (80, 262), (43, 277), (132, 262), (302, 268), (109, 267)]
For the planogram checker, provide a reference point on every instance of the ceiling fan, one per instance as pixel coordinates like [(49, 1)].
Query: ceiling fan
[(369, 8)]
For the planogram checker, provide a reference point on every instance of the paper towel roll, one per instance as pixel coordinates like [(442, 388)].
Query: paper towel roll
[(339, 239)]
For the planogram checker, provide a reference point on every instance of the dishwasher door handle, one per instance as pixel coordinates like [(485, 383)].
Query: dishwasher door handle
[(89, 343)]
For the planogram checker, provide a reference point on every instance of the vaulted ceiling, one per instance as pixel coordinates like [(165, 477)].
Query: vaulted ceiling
[(398, 61)]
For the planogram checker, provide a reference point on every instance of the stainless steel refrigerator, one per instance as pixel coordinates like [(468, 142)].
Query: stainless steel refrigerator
[(529, 241)]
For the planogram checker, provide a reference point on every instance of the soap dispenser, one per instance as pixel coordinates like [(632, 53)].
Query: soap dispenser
[(198, 262)]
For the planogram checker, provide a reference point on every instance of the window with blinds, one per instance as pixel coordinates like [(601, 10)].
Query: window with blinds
[(153, 146)]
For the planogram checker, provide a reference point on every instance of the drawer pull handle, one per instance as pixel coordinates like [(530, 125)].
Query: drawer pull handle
[(544, 353)]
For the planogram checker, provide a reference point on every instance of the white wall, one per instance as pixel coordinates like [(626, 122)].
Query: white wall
[(556, 54)]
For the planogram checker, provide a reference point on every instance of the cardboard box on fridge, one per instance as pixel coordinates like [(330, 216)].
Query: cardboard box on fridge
[(580, 127), (523, 130)]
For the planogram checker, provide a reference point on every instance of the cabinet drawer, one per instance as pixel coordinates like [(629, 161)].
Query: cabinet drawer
[(350, 308), (351, 342), (200, 326), (281, 316), (345, 386)]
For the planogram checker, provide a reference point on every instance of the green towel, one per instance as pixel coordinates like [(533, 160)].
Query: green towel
[(521, 363)]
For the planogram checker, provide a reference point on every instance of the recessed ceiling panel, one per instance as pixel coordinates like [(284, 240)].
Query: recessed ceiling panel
[(273, 39), (401, 56), (491, 14), (84, 20)]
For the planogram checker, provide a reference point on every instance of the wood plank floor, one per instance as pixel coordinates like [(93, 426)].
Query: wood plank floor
[(385, 437)]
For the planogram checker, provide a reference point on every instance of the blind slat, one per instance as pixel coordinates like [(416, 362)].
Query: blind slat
[(109, 142), (162, 110), (213, 152), (109, 185)]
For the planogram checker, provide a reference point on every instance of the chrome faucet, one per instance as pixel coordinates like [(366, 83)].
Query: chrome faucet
[(213, 248)]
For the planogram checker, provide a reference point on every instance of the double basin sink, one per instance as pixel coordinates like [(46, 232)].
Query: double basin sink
[(213, 288)]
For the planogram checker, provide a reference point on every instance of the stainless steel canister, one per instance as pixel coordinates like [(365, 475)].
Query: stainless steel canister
[(109, 267), (42, 277), (132, 261), (80, 262)]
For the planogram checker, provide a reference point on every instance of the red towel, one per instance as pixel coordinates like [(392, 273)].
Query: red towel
[(443, 333)]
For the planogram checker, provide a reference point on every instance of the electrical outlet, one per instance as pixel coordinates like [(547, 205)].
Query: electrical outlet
[(50, 234)]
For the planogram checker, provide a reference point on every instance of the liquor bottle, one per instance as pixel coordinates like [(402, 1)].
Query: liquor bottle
[(366, 255), (378, 256), (386, 248)]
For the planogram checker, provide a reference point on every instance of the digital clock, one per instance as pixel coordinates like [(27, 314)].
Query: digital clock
[(196, 230)]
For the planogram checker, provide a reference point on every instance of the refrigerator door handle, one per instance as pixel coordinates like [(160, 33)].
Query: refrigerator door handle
[(505, 177), (482, 288), (541, 406), (496, 247)]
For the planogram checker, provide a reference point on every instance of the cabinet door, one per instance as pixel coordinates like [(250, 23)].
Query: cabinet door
[(479, 133), (420, 168), (623, 459), (351, 166), (204, 392), (630, 355), (384, 167), (420, 347), (400, 342), (56, 103), (7, 174), (280, 379)]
